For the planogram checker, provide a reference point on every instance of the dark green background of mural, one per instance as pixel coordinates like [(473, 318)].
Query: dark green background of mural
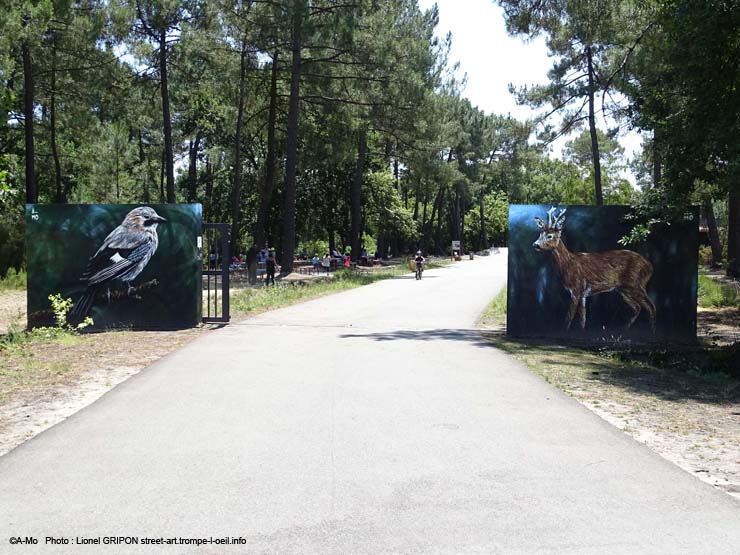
[(538, 303), (60, 239)]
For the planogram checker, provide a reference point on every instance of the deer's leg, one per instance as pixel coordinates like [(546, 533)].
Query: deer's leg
[(629, 298), (646, 303), (574, 302), (582, 311)]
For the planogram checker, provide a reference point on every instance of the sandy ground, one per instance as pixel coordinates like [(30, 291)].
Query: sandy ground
[(12, 309), (701, 438), (58, 380)]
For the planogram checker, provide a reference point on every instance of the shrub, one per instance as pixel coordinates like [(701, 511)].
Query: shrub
[(715, 294), (14, 279)]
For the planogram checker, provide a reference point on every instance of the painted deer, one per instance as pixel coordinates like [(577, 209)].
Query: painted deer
[(589, 273)]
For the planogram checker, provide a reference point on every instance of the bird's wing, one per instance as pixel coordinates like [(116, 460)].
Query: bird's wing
[(120, 251)]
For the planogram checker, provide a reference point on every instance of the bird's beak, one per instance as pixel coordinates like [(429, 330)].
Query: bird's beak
[(159, 219)]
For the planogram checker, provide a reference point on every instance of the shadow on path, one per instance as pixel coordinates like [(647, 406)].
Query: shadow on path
[(478, 338), (414, 277)]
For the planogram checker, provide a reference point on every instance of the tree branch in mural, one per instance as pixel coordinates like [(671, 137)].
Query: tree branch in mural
[(122, 256), (589, 273)]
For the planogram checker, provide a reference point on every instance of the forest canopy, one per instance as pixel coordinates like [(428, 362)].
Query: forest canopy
[(301, 121)]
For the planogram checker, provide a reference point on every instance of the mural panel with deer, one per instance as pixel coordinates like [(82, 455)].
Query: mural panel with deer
[(570, 277)]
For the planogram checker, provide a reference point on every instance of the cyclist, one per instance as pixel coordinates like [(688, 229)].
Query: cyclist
[(419, 264)]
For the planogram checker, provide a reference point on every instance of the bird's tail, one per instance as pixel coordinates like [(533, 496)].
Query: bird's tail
[(81, 308)]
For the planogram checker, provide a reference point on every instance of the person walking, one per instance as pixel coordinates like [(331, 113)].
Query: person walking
[(252, 255), (270, 265)]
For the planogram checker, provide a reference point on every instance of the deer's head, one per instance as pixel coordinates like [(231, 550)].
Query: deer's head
[(550, 232)]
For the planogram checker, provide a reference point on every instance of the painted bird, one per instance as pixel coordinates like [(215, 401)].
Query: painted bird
[(122, 256)]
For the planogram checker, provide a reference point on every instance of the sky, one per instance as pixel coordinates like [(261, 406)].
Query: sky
[(492, 60)]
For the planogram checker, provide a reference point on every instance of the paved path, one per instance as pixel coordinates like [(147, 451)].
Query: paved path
[(373, 421)]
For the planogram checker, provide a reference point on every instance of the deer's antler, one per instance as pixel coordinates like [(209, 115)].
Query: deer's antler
[(555, 222)]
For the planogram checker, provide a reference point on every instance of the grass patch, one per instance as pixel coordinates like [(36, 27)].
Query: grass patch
[(20, 368), (715, 294), (437, 263), (284, 294), (709, 374), (13, 280), (494, 316)]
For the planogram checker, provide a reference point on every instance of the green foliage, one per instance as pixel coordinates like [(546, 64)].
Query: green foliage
[(14, 279), (316, 246), (705, 256), (638, 234), (496, 215), (387, 213), (61, 307), (713, 293)]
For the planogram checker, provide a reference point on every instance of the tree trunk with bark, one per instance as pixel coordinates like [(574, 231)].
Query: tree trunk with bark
[(166, 120), (291, 158), (193, 148), (236, 192), (356, 195), (161, 177), (483, 230), (268, 184), (595, 155), (143, 159), (31, 192), (59, 196), (713, 232), (657, 170), (733, 233)]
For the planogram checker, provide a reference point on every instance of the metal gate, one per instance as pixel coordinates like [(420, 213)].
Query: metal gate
[(215, 259)]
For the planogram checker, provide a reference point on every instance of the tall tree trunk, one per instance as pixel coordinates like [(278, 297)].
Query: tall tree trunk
[(438, 231), (733, 233), (356, 195), (143, 159), (268, 185), (31, 192), (657, 170), (208, 204), (236, 192), (161, 177), (193, 148), (424, 213), (595, 156), (713, 231), (463, 246), (330, 236), (426, 236), (456, 234), (166, 121), (483, 230), (417, 188), (117, 176), (291, 155), (59, 197)]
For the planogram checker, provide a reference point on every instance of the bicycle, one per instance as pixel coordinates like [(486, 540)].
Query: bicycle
[(419, 270)]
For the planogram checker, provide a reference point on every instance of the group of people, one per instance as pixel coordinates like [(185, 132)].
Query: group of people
[(332, 259)]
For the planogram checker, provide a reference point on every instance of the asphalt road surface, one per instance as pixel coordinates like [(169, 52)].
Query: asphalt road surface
[(375, 421)]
